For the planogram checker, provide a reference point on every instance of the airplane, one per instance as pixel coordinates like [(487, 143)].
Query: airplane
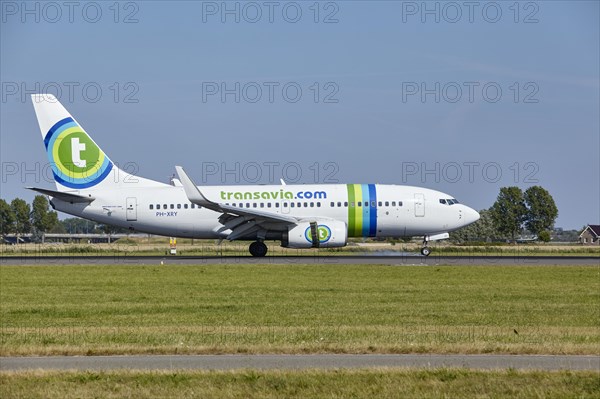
[(90, 185)]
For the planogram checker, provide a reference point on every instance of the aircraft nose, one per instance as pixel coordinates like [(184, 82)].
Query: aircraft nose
[(470, 215)]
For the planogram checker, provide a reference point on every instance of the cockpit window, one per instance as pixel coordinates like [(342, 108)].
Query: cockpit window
[(449, 201)]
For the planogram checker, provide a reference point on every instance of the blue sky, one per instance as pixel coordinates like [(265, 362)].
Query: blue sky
[(379, 84)]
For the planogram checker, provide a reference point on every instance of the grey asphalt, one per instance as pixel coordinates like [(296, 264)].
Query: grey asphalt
[(295, 362), (391, 259)]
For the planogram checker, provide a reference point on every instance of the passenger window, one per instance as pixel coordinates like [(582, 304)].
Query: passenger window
[(339, 204), (379, 203), (262, 204), (193, 206), (359, 203), (306, 204), (268, 204), (387, 203), (164, 206), (299, 204), (393, 203), (399, 203), (292, 204), (366, 203), (172, 206), (277, 205), (151, 206), (254, 205), (247, 205), (346, 204), (318, 204), (178, 206), (332, 204), (351, 204), (185, 206), (285, 204), (373, 204), (312, 204)]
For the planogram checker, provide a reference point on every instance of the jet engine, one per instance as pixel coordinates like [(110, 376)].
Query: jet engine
[(317, 234)]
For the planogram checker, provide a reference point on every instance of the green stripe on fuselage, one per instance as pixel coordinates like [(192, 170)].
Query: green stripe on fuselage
[(355, 213), (351, 214)]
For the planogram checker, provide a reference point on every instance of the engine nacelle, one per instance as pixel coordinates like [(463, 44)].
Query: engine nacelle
[(328, 234)]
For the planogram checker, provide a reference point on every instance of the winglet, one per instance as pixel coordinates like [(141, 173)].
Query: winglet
[(191, 190)]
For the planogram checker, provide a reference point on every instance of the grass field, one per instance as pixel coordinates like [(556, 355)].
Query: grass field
[(382, 383), (89, 310)]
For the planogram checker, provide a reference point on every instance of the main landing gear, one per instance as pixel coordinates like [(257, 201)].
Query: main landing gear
[(258, 248), (425, 251)]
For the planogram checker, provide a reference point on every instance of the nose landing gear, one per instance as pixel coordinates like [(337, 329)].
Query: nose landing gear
[(425, 251)]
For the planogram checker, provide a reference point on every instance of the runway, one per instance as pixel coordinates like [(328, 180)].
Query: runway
[(400, 260), (296, 362)]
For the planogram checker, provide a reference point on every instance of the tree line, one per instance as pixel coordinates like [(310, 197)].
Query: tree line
[(19, 217), (513, 212)]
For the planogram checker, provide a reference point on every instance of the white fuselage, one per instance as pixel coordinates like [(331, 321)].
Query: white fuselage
[(374, 210)]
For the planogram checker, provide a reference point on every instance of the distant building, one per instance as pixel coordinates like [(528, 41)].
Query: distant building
[(590, 235)]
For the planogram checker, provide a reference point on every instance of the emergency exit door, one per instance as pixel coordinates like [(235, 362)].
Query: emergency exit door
[(419, 205), (131, 209)]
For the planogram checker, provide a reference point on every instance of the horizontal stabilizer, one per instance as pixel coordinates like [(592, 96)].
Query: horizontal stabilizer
[(67, 197)]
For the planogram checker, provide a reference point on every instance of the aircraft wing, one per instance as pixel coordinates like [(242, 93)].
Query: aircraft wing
[(240, 220), (63, 196)]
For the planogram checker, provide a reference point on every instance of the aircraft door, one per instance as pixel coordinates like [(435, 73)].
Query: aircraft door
[(419, 205), (131, 208)]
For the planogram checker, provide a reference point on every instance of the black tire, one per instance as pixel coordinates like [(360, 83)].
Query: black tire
[(425, 251), (258, 249)]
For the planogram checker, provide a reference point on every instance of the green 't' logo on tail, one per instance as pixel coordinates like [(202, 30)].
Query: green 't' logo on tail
[(76, 160)]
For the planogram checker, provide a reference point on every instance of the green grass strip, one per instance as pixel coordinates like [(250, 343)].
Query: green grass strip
[(127, 309), (378, 383)]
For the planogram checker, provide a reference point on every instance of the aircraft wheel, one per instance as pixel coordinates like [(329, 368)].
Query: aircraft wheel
[(258, 249), (425, 251)]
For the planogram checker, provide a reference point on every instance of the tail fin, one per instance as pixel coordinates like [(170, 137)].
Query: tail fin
[(77, 161)]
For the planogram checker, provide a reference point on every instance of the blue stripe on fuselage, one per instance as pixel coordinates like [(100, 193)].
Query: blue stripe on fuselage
[(373, 211)]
